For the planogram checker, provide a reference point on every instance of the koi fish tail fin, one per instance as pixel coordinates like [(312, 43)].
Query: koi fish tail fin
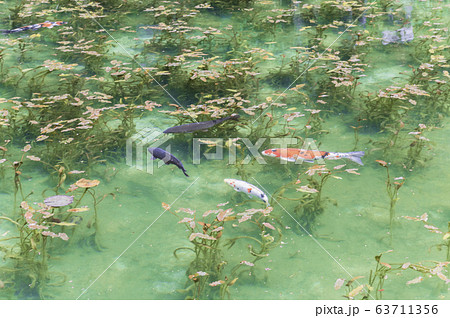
[(184, 170), (355, 156), (5, 31)]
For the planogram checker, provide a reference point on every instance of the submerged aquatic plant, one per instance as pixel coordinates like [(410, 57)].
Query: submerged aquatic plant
[(88, 188), (36, 228), (80, 97), (433, 229), (415, 155), (314, 124), (375, 285), (311, 203), (356, 135), (208, 263), (392, 188), (31, 252), (208, 269), (391, 105), (71, 130), (445, 238), (337, 90), (432, 77)]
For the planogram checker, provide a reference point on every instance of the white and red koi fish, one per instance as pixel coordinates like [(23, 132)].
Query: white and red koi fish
[(250, 189), (294, 154), (34, 27)]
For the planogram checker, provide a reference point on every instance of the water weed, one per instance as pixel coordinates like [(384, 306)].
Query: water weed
[(375, 287), (392, 188), (86, 85), (207, 274)]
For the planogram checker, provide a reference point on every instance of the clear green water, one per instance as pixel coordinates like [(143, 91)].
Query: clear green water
[(139, 238)]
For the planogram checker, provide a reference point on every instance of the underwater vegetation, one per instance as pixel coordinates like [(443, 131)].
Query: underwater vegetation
[(209, 274), (27, 268), (392, 188), (374, 288), (366, 81)]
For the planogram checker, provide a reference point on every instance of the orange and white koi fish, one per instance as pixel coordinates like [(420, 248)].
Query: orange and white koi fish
[(250, 189), (294, 154), (34, 27)]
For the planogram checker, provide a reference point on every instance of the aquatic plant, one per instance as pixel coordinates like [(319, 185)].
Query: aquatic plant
[(314, 124), (269, 237), (205, 237), (356, 134), (375, 285), (446, 243), (356, 43), (87, 187), (292, 69), (278, 18), (16, 16), (230, 4), (415, 156), (409, 150), (240, 163), (16, 167), (53, 204), (329, 11), (30, 253), (127, 83), (35, 77), (339, 87), (391, 143), (82, 131), (433, 229), (172, 37), (311, 204), (235, 41), (283, 74), (88, 52), (2, 62), (432, 77), (191, 76), (384, 109), (430, 40), (392, 188), (81, 95), (208, 269)]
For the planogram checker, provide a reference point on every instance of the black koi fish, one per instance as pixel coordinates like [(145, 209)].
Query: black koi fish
[(203, 125), (167, 157), (34, 27)]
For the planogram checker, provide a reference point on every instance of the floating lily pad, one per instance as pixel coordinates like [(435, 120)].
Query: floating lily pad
[(85, 183), (58, 200)]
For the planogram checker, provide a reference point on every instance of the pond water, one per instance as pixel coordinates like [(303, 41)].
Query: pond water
[(123, 246)]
